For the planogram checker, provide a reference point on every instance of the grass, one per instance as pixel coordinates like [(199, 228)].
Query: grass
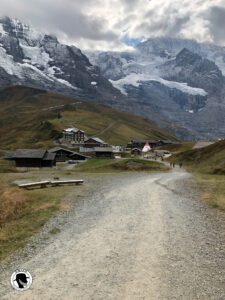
[(178, 147), (121, 165), (208, 167), (212, 189), (23, 213), (7, 166), (207, 160)]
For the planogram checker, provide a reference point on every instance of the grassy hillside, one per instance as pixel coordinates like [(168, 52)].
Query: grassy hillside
[(29, 118), (208, 166), (178, 147), (210, 159)]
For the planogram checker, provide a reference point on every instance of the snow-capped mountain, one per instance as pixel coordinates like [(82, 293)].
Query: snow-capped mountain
[(179, 84), (31, 58), (175, 80)]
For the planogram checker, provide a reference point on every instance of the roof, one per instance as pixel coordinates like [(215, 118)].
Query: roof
[(26, 153), (56, 149), (144, 141), (103, 149), (98, 140), (138, 141), (146, 147), (153, 141), (49, 156), (168, 142), (73, 129), (77, 153)]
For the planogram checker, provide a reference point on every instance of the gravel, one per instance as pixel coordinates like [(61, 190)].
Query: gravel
[(128, 236)]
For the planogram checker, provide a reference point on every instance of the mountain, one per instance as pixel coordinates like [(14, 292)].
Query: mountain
[(176, 82), (31, 58), (30, 118)]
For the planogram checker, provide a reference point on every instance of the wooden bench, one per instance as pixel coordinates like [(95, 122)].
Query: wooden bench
[(62, 182), (41, 184)]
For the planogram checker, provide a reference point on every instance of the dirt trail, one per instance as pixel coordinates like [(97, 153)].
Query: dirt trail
[(141, 236), (199, 145), (108, 127)]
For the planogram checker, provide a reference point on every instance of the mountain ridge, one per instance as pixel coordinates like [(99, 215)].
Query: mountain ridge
[(35, 59), (177, 83)]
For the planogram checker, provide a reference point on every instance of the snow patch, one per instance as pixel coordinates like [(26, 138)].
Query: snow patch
[(137, 79), (36, 55), (36, 70), (54, 70), (220, 64), (8, 64), (2, 31), (66, 83)]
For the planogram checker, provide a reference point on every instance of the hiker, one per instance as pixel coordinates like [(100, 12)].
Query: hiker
[(174, 165), (180, 164), (171, 164)]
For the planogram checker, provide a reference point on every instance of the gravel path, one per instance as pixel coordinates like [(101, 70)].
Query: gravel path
[(139, 236)]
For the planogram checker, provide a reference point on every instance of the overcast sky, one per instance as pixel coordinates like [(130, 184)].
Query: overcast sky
[(110, 24)]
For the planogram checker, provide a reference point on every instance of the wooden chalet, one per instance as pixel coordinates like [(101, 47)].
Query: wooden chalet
[(103, 152), (32, 158), (93, 142), (62, 154)]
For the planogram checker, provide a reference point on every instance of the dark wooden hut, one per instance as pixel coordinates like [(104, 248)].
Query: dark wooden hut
[(32, 158), (135, 151), (103, 152)]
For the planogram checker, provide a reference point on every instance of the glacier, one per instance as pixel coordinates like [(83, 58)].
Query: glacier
[(137, 79)]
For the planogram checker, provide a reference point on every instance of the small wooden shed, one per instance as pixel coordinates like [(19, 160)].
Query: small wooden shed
[(104, 152), (136, 151)]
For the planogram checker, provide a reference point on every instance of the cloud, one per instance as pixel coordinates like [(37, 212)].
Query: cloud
[(98, 24), (202, 20), (172, 25), (69, 20), (216, 25)]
